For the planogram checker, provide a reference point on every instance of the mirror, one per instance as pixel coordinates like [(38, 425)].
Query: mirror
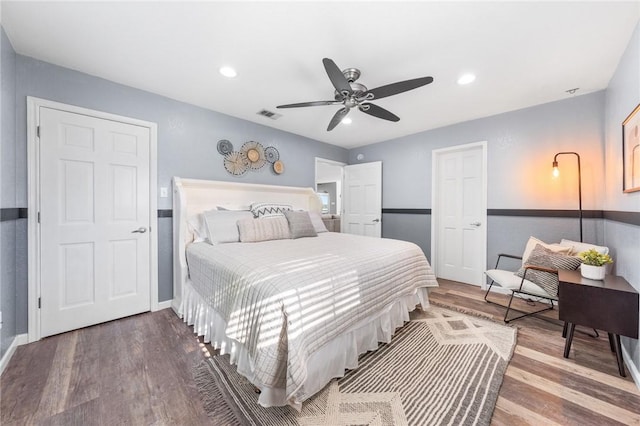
[(329, 185)]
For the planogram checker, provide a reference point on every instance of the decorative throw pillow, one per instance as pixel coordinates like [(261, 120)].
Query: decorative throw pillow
[(262, 210), (222, 226), (541, 256), (578, 247), (232, 207), (300, 224), (533, 241), (197, 228), (318, 224), (255, 230)]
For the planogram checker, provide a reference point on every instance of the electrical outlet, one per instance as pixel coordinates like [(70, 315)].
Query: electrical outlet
[(164, 192)]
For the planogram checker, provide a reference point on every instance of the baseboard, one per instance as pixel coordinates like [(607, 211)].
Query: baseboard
[(164, 305), (633, 369), (20, 339)]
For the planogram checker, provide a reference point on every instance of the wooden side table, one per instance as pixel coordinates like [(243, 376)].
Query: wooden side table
[(610, 305)]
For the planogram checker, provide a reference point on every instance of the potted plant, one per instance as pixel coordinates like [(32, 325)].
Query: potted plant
[(594, 264)]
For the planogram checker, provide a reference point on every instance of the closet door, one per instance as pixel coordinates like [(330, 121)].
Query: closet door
[(94, 220)]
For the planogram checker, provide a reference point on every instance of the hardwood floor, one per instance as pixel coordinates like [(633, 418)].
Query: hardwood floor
[(540, 386), (138, 370)]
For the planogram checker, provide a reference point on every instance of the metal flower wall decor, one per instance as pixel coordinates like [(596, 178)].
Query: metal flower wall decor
[(252, 156)]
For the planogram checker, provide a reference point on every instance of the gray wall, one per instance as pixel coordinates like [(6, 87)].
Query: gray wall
[(187, 137), (622, 96), (8, 228), (521, 146)]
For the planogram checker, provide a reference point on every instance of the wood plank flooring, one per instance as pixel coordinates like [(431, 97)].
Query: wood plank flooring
[(138, 370)]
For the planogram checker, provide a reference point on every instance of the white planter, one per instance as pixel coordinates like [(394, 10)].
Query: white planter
[(593, 272)]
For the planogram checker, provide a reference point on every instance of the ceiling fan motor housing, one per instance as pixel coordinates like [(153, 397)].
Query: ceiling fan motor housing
[(357, 91)]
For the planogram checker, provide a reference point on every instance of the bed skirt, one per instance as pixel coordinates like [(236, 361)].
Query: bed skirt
[(338, 355)]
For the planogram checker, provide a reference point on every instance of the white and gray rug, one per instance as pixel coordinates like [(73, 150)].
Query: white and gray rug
[(443, 368)]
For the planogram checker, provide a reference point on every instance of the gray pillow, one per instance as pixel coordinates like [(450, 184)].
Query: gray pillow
[(541, 256), (300, 224), (221, 226)]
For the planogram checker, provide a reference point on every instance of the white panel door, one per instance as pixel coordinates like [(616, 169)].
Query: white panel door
[(362, 195), (461, 211), (94, 220)]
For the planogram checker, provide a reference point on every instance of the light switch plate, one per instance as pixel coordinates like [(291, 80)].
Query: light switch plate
[(164, 192)]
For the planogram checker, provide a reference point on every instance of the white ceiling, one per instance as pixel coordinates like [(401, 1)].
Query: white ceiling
[(524, 54)]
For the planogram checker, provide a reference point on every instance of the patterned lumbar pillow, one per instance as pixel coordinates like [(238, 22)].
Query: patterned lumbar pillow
[(262, 210), (300, 224), (254, 230), (541, 256), (533, 242)]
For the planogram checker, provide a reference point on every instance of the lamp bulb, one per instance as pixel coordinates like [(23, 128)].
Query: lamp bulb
[(556, 172)]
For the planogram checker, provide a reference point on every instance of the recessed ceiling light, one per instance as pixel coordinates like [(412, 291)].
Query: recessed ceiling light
[(228, 72), (346, 120), (466, 79)]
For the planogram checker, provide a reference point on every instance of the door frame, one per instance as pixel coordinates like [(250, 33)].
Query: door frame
[(332, 163), (33, 204), (435, 207)]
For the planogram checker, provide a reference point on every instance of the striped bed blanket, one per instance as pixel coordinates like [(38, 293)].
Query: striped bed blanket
[(284, 299)]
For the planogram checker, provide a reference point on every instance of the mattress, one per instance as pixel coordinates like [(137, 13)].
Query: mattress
[(282, 301)]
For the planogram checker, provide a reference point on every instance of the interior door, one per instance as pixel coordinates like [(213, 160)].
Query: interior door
[(94, 220), (363, 199), (460, 211)]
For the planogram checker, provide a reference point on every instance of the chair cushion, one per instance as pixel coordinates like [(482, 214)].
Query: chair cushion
[(533, 242), (510, 280), (541, 256)]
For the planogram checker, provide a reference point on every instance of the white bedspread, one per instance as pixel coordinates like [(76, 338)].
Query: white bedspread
[(284, 299)]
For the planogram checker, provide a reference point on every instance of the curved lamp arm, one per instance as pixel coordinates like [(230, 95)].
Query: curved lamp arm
[(556, 172)]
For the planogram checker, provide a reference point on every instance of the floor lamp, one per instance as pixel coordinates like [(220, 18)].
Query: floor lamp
[(556, 173)]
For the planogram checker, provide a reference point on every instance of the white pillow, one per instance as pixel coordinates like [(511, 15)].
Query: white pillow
[(197, 227), (318, 224), (222, 225), (262, 210), (225, 207), (578, 247), (531, 244), (254, 230)]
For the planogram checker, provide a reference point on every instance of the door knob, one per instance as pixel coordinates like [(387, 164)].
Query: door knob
[(475, 224), (376, 220), (140, 230)]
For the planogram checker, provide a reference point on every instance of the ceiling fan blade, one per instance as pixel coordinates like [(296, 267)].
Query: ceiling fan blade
[(337, 118), (377, 111), (399, 87), (337, 78), (308, 104)]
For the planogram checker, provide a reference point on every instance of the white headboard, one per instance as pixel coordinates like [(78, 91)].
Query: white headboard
[(193, 196)]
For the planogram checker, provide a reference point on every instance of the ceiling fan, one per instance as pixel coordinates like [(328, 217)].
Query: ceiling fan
[(352, 94)]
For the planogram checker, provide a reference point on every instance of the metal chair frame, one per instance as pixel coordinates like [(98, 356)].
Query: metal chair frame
[(520, 291)]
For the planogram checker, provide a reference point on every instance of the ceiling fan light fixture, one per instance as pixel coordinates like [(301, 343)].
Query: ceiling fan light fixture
[(228, 72), (466, 79), (347, 120)]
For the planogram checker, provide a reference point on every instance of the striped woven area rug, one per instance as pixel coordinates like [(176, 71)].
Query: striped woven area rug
[(443, 367)]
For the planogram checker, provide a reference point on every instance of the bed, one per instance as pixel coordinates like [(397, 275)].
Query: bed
[(291, 313)]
